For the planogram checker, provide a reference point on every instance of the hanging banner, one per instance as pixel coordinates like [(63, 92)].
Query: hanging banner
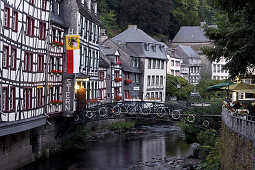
[(73, 53)]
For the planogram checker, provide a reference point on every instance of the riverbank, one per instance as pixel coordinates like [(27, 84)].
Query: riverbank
[(144, 147)]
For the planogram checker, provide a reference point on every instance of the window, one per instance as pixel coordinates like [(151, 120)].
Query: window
[(137, 78), (58, 8), (101, 75), (31, 2), (39, 97), (135, 62), (116, 91), (116, 74), (40, 62), (158, 64), (154, 48), (172, 72), (156, 95), (57, 63), (127, 76), (177, 63), (149, 64), (42, 30), (57, 93), (152, 94), (149, 81), (6, 17), (161, 80), (161, 95), (5, 57), (28, 62), (52, 64), (117, 58), (15, 21), (27, 98), (13, 58), (5, 99), (147, 95), (153, 81), (218, 68), (44, 4), (162, 64), (146, 46), (12, 98), (154, 64), (172, 62), (157, 80), (30, 26), (126, 94)]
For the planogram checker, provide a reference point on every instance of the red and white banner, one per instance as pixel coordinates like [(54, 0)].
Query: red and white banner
[(73, 53)]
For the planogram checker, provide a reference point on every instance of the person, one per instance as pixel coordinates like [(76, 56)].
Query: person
[(237, 105)]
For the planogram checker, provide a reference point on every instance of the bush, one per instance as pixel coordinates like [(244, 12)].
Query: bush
[(191, 132), (122, 126), (207, 137), (78, 140)]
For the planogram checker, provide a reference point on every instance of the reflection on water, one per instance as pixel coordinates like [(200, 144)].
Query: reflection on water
[(119, 152)]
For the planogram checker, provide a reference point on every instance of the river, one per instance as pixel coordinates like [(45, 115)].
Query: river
[(126, 151)]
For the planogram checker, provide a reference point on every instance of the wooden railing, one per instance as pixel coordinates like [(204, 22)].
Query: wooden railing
[(242, 125)]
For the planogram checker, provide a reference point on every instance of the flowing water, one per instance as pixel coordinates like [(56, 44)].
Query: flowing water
[(122, 151)]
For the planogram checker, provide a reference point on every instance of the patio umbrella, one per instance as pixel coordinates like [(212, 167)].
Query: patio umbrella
[(219, 87), (241, 87)]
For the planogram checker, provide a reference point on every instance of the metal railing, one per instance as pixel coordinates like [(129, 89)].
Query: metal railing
[(243, 125)]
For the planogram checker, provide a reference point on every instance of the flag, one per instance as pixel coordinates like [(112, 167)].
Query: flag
[(73, 53)]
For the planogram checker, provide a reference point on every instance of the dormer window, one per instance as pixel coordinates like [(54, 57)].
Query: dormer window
[(154, 48), (146, 46), (58, 8)]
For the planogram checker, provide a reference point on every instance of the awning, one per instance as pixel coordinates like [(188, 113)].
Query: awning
[(219, 87), (242, 87)]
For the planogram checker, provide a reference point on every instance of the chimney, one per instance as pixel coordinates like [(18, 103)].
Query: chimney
[(132, 26), (202, 24), (103, 36)]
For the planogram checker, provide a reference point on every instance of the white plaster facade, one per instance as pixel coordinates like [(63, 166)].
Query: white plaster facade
[(154, 79), (218, 73)]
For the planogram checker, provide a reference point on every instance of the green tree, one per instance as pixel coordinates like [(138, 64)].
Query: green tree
[(182, 93), (234, 38), (203, 84)]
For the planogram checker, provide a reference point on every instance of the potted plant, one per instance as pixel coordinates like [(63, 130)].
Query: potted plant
[(118, 79)]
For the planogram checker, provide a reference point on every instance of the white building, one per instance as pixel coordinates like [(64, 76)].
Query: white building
[(174, 63), (190, 63), (218, 73), (194, 36)]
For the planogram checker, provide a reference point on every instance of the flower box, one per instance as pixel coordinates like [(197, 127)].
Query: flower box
[(118, 79), (128, 81), (56, 102), (118, 98), (57, 44), (118, 62)]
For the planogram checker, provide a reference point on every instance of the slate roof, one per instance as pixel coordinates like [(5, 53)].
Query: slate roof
[(134, 35), (191, 34), (107, 51), (103, 63), (186, 53), (133, 42)]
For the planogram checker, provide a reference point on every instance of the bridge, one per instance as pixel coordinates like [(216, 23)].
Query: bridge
[(146, 110)]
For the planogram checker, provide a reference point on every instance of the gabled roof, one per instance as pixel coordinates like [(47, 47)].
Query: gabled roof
[(188, 51), (191, 34), (134, 35)]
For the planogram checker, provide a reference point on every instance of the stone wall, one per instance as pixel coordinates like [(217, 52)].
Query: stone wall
[(237, 151), (15, 150)]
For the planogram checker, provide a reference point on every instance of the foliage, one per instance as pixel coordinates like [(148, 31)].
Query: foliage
[(212, 160), (78, 140), (203, 84), (234, 38), (160, 19), (191, 132), (122, 126), (183, 93), (207, 137)]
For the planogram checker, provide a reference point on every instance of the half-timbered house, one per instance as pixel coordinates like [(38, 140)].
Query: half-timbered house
[(81, 18)]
